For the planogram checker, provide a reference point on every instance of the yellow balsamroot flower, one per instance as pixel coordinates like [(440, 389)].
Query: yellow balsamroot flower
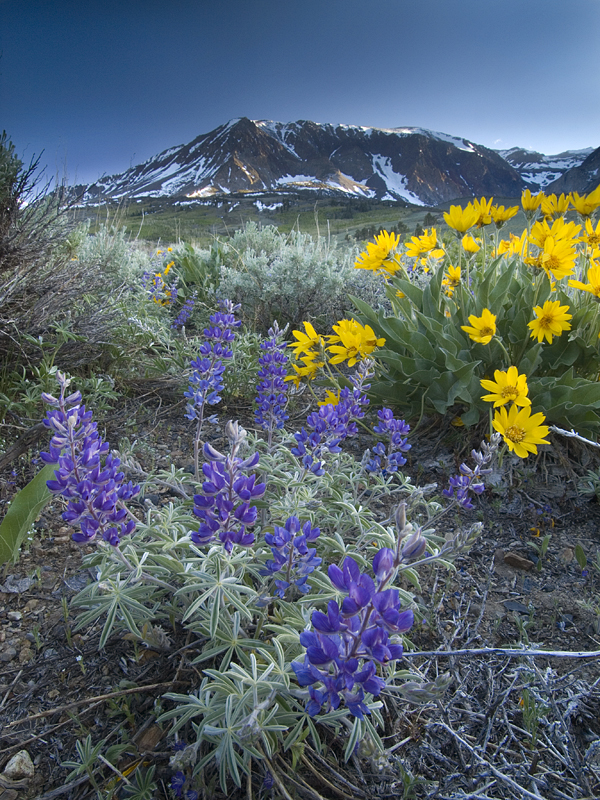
[(553, 206), (509, 387), (531, 202), (484, 327), (484, 211), (378, 256), (356, 342), (591, 235), (557, 258), (559, 229), (584, 204), (516, 246), (469, 244), (419, 245), (551, 320), (309, 370), (521, 431), (461, 220), (307, 342), (593, 284), (330, 398), (500, 215), (451, 280)]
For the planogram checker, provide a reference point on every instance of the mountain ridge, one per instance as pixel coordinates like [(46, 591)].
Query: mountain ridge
[(404, 165)]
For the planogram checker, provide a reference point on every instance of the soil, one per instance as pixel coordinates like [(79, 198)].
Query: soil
[(56, 686)]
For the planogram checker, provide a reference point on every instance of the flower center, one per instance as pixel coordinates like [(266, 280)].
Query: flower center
[(515, 434), (486, 331), (546, 320), (510, 392)]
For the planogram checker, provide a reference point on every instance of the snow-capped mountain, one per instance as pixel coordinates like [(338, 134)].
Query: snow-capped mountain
[(410, 165), (538, 170)]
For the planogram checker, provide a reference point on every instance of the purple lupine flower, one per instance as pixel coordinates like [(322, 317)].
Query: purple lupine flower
[(470, 480), (96, 492), (348, 641), (207, 378), (224, 507), (272, 396), (291, 554), (184, 312), (388, 460), (332, 423)]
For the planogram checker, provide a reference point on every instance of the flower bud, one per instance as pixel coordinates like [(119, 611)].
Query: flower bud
[(414, 546)]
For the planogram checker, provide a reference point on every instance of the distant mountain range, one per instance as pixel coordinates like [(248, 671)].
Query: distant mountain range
[(405, 165)]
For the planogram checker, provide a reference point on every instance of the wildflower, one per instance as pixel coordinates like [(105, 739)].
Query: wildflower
[(451, 280), (426, 243), (330, 398), (551, 320), (389, 459), (356, 342), (307, 342), (559, 230), (470, 480), (469, 244), (483, 327), (521, 431), (184, 312), (530, 203), (272, 398), (500, 215), (461, 220), (553, 206), (591, 235), (378, 256), (593, 284), (516, 246), (96, 492), (311, 366), (509, 387), (290, 553), (483, 208), (557, 258), (583, 204), (224, 507)]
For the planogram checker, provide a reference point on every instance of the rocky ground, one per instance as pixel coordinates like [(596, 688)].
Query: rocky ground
[(510, 725)]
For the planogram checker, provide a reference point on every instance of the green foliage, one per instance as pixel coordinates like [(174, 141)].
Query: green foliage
[(199, 271), (289, 278), (25, 507), (430, 364)]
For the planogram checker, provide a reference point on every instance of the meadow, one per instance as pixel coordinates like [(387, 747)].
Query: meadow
[(289, 514)]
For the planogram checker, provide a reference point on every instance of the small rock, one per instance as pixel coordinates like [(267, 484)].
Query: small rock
[(50, 653), (8, 654), (25, 655), (514, 605), (19, 767), (566, 556), (517, 561), (15, 616), (14, 585)]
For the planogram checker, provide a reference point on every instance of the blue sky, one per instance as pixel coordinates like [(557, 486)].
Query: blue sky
[(100, 85)]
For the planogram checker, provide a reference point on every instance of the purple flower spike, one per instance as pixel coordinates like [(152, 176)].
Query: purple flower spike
[(96, 492)]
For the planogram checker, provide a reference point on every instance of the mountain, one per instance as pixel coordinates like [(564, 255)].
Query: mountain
[(538, 170), (582, 178), (412, 165)]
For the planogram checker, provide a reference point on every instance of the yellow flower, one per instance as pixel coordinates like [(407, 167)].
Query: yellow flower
[(309, 370), (169, 249), (553, 206), (484, 327), (483, 208), (521, 431), (591, 235), (593, 284), (330, 398), (356, 342), (509, 387), (306, 341), (516, 246), (159, 252), (378, 256), (531, 202), (584, 204), (419, 245), (559, 229), (461, 220), (451, 280), (469, 244), (557, 258), (500, 215), (168, 268), (551, 320)]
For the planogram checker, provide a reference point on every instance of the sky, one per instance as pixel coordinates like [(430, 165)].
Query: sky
[(97, 86)]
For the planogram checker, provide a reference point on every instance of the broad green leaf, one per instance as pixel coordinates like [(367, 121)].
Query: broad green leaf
[(22, 512)]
